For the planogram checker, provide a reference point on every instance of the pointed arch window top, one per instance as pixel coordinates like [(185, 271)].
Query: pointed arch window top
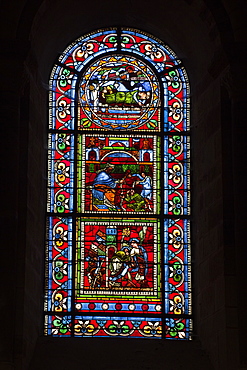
[(90, 49)]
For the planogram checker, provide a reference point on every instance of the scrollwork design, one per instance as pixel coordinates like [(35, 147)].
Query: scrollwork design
[(59, 267), (63, 109)]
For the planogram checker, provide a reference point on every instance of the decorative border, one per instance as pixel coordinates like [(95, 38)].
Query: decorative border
[(115, 327), (177, 267), (58, 290), (60, 173), (176, 175)]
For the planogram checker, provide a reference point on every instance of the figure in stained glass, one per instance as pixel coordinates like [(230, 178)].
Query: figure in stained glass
[(118, 85), (134, 201), (117, 92), (95, 258), (146, 183), (131, 259), (118, 257), (103, 187), (122, 262)]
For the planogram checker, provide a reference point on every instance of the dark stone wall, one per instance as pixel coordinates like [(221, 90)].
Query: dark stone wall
[(210, 38)]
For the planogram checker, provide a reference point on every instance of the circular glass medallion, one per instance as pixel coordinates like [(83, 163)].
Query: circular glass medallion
[(119, 92)]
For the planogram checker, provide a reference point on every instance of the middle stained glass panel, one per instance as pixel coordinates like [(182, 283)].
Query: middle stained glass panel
[(118, 173)]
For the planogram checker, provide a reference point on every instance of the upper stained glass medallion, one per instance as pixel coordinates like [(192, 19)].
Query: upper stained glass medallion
[(118, 209), (119, 93)]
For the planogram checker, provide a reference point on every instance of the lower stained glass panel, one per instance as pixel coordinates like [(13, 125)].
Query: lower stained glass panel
[(118, 266), (118, 273)]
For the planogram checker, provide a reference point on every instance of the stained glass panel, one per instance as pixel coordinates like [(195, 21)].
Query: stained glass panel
[(119, 93), (118, 265), (105, 326), (118, 246), (118, 173)]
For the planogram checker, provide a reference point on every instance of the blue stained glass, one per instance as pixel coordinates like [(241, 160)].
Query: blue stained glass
[(61, 164), (59, 269), (58, 326), (62, 99), (84, 42)]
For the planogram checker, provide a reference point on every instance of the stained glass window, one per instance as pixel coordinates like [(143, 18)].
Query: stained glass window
[(118, 210)]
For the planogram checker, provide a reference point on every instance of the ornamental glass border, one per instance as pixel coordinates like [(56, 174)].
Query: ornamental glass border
[(93, 124)]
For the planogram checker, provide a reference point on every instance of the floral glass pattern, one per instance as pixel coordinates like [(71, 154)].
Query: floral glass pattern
[(118, 199)]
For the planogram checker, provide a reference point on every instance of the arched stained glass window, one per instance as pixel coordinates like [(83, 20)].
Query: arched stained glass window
[(118, 224)]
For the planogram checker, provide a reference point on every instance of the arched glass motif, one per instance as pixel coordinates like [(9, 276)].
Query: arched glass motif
[(118, 213)]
